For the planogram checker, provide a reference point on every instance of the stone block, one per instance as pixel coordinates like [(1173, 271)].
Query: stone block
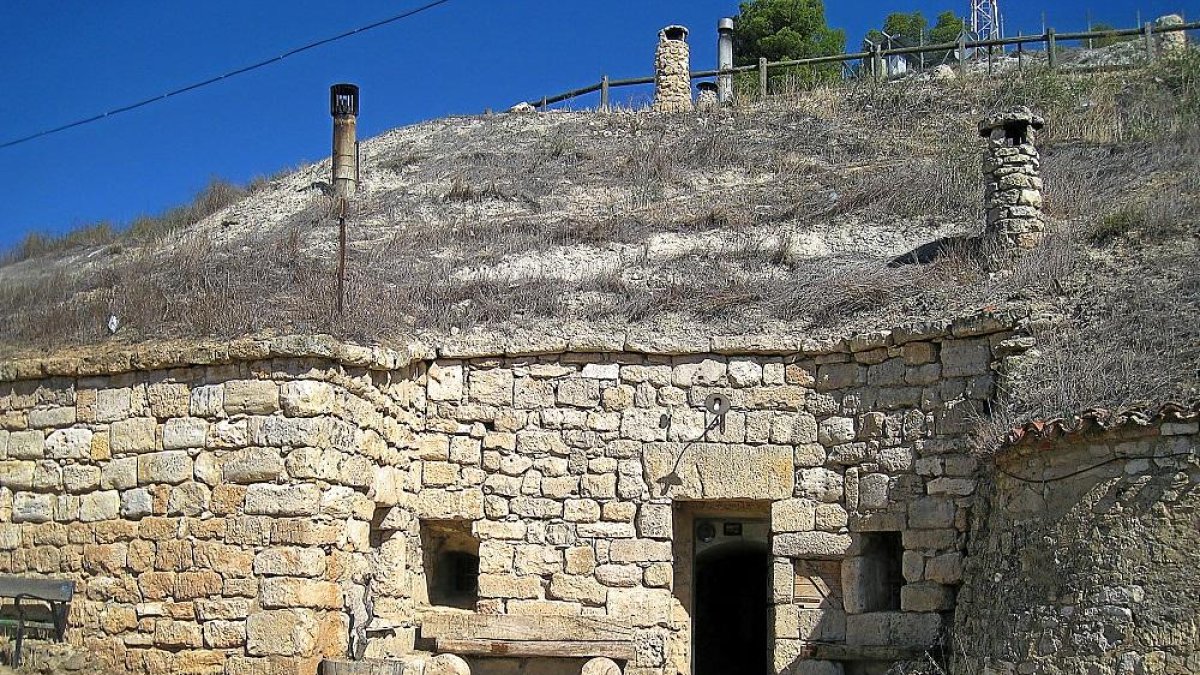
[(279, 592), (581, 510), (873, 491), (69, 444), (793, 428), (177, 634), (189, 499), (836, 431), (225, 609), (251, 397), (822, 545), (184, 432), (207, 401), (170, 467), (167, 399), (283, 500), (306, 398), (654, 521), (573, 588), (286, 632), (926, 596), (113, 404), (579, 393), (640, 607), (963, 358), (492, 386), (445, 382), (192, 585), (579, 560), (252, 465), (639, 551), (136, 504), (720, 471), (931, 513), (792, 515), (99, 506), (954, 487), (509, 586), (290, 561), (224, 634), (900, 629), (945, 569), (438, 504), (819, 484), (833, 376), (133, 435), (43, 418), (26, 444), (16, 475)]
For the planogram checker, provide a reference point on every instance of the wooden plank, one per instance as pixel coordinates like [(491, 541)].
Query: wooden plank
[(51, 590), (613, 649), (818, 583), (506, 627)]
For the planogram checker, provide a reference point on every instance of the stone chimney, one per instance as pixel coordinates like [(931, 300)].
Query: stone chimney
[(672, 71), (707, 97), (1173, 41), (343, 106), (1013, 186)]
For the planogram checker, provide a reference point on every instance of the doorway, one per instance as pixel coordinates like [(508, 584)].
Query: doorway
[(731, 610)]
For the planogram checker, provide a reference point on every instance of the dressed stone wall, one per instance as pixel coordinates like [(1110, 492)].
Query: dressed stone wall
[(1097, 572), (261, 513), (216, 518)]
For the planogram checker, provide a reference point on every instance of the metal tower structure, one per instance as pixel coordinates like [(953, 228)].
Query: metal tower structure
[(986, 22)]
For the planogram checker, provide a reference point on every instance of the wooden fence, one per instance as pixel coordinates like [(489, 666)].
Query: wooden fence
[(876, 58)]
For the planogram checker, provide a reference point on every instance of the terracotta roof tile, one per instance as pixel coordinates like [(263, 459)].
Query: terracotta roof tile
[(1100, 419)]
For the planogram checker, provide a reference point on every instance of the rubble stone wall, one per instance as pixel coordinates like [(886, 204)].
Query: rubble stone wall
[(1095, 572), (217, 519), (259, 515), (569, 469)]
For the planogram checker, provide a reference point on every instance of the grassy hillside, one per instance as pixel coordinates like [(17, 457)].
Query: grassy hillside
[(775, 216)]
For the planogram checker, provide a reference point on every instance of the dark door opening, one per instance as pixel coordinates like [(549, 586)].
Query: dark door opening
[(731, 609)]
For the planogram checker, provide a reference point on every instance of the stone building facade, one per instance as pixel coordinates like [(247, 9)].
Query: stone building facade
[(1085, 555), (261, 508)]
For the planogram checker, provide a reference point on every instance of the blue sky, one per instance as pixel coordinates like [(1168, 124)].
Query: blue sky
[(66, 59)]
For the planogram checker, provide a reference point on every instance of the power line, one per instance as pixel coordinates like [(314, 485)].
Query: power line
[(224, 76)]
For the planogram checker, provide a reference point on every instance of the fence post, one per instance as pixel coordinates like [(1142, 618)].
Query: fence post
[(1020, 53), (762, 77), (604, 93), (1148, 33), (962, 55), (1051, 48), (877, 61)]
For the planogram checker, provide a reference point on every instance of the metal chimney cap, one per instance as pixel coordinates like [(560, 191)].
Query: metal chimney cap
[(725, 24), (674, 33), (343, 100)]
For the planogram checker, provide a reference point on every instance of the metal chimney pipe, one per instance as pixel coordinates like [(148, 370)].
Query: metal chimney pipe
[(725, 60), (343, 106)]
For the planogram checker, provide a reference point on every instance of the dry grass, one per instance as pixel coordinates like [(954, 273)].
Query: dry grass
[(699, 221)]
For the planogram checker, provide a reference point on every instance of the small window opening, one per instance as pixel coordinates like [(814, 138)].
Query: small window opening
[(451, 559), (883, 571)]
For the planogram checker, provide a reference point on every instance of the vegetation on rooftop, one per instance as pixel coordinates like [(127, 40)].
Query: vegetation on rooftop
[(701, 221)]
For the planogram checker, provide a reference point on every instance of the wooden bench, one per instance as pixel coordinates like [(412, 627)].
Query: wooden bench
[(528, 636), (56, 593)]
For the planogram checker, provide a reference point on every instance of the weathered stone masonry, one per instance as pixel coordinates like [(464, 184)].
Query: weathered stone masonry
[(227, 518), (1085, 555)]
